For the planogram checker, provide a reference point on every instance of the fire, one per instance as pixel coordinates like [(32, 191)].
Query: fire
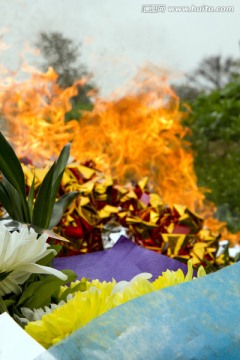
[(139, 134), (141, 141), (33, 112)]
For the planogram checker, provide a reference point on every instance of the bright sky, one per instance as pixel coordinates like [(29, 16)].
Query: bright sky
[(117, 37)]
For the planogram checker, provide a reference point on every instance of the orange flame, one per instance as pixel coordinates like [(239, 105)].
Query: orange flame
[(139, 134), (34, 112)]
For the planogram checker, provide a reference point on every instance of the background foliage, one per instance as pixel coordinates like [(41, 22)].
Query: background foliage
[(215, 124)]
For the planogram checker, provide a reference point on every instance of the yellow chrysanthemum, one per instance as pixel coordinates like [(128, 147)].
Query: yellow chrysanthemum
[(98, 298), (86, 285), (72, 285), (170, 278), (108, 286), (84, 307)]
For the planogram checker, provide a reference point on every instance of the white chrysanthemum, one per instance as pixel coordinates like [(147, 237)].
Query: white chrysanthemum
[(122, 285), (19, 252), (37, 314)]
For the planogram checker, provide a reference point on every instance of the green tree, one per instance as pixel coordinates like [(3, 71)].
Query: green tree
[(215, 125)]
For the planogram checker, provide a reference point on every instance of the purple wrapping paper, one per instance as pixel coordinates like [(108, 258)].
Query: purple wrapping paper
[(122, 262)]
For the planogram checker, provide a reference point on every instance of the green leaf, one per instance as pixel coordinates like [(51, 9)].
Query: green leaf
[(4, 199), (11, 167), (59, 169), (31, 197), (48, 191), (81, 286), (43, 207), (9, 302), (60, 206), (61, 163), (48, 258), (15, 202), (3, 307), (39, 293), (12, 170)]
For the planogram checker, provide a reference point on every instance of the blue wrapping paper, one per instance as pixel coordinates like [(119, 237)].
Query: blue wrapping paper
[(194, 320), (122, 262)]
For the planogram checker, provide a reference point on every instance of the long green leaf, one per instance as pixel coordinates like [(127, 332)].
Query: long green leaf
[(60, 206), (59, 169), (61, 163), (43, 205), (17, 212), (4, 199), (10, 166), (12, 170), (31, 197)]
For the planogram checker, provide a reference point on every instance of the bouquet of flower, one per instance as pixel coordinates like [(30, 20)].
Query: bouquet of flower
[(51, 303)]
